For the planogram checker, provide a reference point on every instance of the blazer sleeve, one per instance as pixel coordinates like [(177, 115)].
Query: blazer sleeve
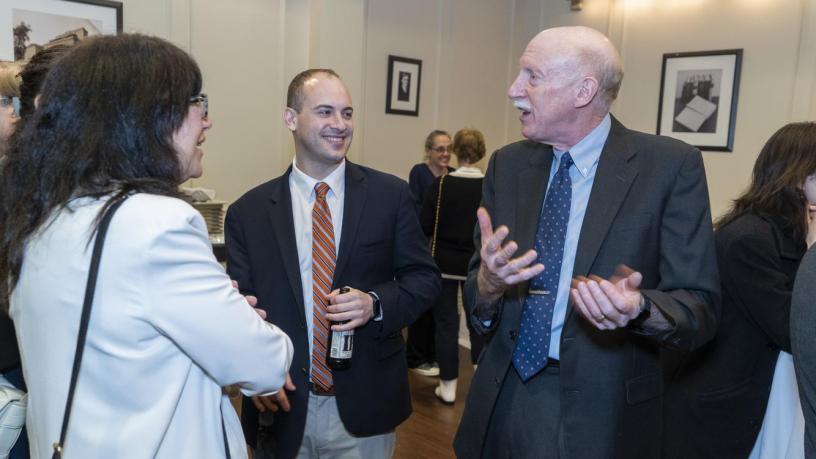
[(688, 292), (238, 269), (751, 270), (470, 294), (237, 255), (417, 282), (191, 300)]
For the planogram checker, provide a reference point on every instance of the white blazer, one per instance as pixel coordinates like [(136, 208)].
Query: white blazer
[(167, 331)]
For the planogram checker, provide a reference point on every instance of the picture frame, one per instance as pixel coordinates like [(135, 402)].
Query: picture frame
[(698, 97), (404, 84), (34, 24)]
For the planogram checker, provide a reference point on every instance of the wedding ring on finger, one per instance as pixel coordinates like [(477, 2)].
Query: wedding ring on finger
[(600, 319)]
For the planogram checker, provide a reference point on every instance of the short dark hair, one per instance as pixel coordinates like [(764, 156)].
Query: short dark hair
[(780, 170), (429, 140), (469, 145), (104, 126), (33, 75), (294, 95)]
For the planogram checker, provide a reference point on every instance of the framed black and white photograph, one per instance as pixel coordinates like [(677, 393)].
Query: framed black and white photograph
[(404, 76), (698, 98), (34, 24)]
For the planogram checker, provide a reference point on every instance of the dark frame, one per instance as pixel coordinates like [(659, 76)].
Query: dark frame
[(107, 4), (403, 65), (729, 66), (107, 10)]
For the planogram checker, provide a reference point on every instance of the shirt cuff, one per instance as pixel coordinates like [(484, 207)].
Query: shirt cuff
[(376, 298)]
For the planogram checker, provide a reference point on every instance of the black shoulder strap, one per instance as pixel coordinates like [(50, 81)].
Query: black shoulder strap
[(224, 433), (90, 286)]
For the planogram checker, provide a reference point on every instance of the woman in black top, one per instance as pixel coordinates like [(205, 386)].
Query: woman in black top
[(420, 347), (438, 150), (716, 402), (448, 217)]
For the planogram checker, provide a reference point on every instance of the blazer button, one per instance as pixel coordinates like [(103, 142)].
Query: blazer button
[(498, 382), (303, 370), (513, 335)]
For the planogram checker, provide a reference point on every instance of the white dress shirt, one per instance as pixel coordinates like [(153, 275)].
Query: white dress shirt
[(301, 188), (167, 331)]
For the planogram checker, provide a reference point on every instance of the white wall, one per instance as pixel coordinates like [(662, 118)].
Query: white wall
[(249, 50)]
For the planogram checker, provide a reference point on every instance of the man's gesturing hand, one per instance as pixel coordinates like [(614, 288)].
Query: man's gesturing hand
[(498, 270)]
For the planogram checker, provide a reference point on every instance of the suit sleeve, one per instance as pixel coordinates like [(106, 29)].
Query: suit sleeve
[(417, 282), (688, 292), (470, 294), (803, 341), (751, 270), (237, 256), (238, 270)]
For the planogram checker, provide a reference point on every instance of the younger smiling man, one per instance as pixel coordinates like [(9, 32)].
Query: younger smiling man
[(366, 237)]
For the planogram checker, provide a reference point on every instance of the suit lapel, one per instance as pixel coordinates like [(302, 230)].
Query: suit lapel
[(283, 228), (612, 181), (530, 190), (353, 205)]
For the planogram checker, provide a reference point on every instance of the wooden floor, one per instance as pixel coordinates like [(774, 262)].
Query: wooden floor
[(428, 433)]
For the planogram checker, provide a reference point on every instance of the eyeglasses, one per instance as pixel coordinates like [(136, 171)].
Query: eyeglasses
[(204, 102), (6, 101), (443, 149)]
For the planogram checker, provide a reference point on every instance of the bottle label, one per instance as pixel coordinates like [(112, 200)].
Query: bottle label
[(342, 344)]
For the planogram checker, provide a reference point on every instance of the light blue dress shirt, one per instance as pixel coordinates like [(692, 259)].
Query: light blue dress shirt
[(585, 155)]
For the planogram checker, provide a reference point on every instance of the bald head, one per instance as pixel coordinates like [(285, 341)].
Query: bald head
[(576, 52)]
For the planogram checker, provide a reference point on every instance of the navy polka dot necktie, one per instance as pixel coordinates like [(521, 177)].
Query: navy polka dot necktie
[(533, 345)]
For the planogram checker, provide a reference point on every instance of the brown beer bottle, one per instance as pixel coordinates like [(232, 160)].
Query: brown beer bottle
[(340, 345)]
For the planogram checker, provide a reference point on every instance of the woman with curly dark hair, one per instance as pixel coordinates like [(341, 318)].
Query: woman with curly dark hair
[(122, 119)]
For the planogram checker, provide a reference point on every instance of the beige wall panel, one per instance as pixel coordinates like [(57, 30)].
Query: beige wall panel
[(393, 143), (237, 46), (474, 70), (151, 17)]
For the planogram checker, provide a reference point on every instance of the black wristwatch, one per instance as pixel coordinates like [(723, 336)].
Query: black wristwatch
[(645, 308), (377, 307)]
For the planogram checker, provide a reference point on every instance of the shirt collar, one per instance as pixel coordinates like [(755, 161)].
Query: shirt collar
[(586, 153), (467, 171), (336, 180)]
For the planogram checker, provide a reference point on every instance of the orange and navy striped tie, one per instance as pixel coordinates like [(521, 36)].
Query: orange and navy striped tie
[(324, 260)]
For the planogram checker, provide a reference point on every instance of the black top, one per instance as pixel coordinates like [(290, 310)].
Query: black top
[(719, 394), (9, 354), (457, 218), (420, 180)]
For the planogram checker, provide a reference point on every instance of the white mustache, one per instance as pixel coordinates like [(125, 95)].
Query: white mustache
[(521, 105)]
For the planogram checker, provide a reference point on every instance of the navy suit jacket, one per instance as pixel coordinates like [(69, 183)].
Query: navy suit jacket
[(648, 209), (382, 249)]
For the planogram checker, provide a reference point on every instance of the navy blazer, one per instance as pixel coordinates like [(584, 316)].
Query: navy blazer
[(648, 209), (382, 249)]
